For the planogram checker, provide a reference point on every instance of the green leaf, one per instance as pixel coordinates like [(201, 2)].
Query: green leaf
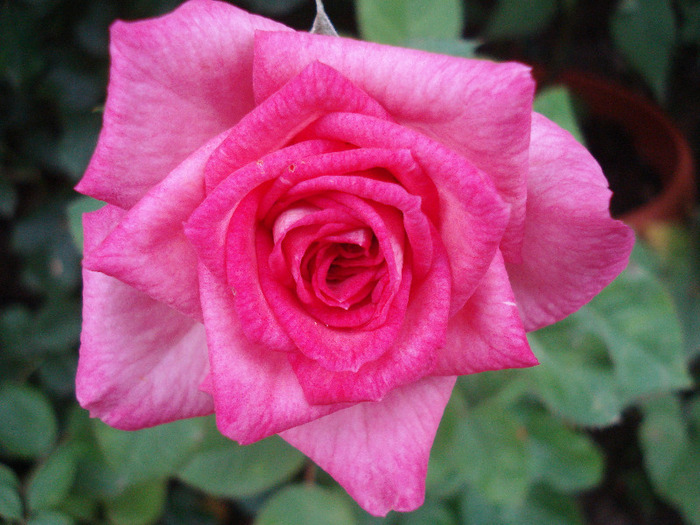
[(57, 374), (561, 457), (29, 424), (10, 500), (676, 260), (10, 503), (542, 507), (96, 479), (624, 345), (80, 507), (432, 512), (397, 21), (575, 377), (149, 454), (52, 482), (672, 455), (555, 104), (686, 484), (477, 510), (635, 317), (56, 326), (54, 329), (515, 19), (663, 437), (493, 456), (50, 518), (301, 505), (51, 261), (15, 329), (138, 505), (75, 212), (546, 507), (455, 47), (443, 478), (645, 33), (242, 471), (8, 476)]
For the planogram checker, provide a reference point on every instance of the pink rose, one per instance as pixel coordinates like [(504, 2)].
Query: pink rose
[(313, 236)]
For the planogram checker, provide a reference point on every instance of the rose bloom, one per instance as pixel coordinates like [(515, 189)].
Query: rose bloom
[(313, 236)]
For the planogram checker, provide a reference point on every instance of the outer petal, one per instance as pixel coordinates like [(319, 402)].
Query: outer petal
[(379, 451), (256, 393), (148, 249), (175, 82), (487, 334), (478, 108), (572, 248), (134, 372)]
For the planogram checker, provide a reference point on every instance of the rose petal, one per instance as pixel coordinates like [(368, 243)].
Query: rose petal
[(411, 357), (256, 393), (207, 226), (148, 249), (316, 90), (337, 172), (335, 348), (175, 82), (472, 215), (477, 108), (399, 164), (487, 334), (572, 248), (132, 372), (379, 451)]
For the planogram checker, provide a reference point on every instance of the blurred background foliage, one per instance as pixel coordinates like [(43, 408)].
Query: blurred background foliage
[(605, 430)]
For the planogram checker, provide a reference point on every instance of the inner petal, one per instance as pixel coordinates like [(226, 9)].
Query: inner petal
[(338, 285)]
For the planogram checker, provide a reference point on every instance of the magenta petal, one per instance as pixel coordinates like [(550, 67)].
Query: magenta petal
[(148, 249), (256, 393), (572, 248), (175, 82), (317, 90), (244, 265), (208, 225), (132, 372), (477, 108), (411, 357), (487, 334), (335, 348), (473, 217), (379, 451)]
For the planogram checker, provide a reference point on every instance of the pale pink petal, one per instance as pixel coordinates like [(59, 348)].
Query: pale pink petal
[(134, 372), (148, 249), (256, 393), (175, 82), (378, 451), (572, 248), (487, 334), (479, 109)]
